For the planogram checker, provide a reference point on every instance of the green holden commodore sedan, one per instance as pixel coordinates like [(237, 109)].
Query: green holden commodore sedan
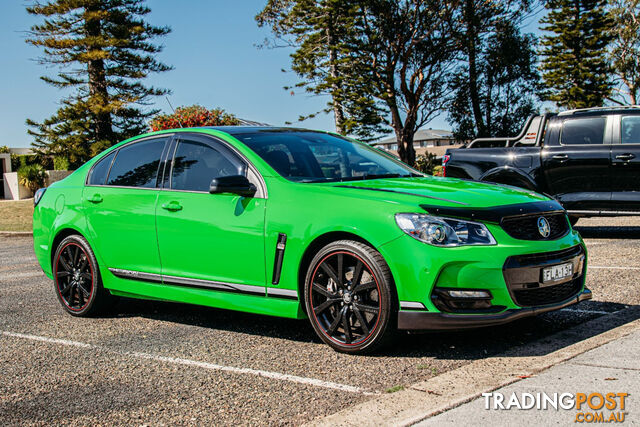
[(297, 223)]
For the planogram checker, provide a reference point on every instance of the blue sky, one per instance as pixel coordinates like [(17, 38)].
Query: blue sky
[(212, 47)]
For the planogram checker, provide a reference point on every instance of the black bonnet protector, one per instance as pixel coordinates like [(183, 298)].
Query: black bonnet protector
[(495, 213)]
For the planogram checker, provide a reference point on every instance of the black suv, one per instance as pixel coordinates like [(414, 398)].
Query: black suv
[(588, 159)]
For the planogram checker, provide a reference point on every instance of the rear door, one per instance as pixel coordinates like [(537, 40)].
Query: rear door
[(576, 161), (120, 200), (625, 163)]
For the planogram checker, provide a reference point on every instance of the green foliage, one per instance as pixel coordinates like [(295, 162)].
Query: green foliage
[(60, 163), (193, 116), (426, 163), (409, 53), (576, 73), (103, 50), (394, 389), (31, 176), (20, 160), (382, 62), (625, 52), (323, 33), (4, 149), (496, 82)]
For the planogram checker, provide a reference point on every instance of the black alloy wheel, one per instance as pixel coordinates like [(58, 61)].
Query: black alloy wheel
[(77, 278), (348, 296)]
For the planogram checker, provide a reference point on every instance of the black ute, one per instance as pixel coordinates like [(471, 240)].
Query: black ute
[(588, 159)]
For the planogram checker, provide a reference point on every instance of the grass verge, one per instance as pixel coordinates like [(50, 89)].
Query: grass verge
[(16, 215)]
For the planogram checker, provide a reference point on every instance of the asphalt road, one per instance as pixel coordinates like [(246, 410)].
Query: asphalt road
[(162, 363)]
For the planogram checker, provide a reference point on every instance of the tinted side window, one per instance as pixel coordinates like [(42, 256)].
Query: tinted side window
[(136, 165), (583, 131), (196, 164), (98, 174), (630, 130)]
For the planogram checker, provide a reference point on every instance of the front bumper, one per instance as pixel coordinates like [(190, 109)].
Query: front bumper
[(423, 321)]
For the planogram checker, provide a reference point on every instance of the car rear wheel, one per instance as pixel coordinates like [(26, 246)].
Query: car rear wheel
[(77, 278), (348, 297)]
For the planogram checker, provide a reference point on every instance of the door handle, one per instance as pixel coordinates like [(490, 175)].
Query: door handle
[(625, 157), (96, 198), (172, 206), (560, 157)]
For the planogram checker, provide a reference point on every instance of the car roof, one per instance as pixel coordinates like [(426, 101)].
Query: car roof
[(601, 111), (238, 130)]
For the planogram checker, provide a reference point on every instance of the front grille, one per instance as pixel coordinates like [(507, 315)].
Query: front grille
[(547, 294), (526, 227)]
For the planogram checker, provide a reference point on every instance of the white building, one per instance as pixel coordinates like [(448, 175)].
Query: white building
[(423, 138)]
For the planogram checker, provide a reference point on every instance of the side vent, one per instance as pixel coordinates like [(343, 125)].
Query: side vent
[(277, 265)]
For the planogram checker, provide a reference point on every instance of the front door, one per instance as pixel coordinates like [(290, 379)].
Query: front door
[(209, 240), (625, 164), (577, 168), (120, 200)]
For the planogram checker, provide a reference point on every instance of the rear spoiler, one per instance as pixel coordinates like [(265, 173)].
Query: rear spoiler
[(531, 133)]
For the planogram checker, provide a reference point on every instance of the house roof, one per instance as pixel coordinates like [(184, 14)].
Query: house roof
[(421, 135), (438, 151), (20, 150)]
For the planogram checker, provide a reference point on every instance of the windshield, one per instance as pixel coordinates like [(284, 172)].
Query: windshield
[(306, 156)]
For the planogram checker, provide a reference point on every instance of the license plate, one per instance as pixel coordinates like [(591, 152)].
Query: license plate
[(557, 272)]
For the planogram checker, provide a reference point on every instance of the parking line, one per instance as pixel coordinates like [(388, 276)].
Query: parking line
[(205, 365), (606, 267)]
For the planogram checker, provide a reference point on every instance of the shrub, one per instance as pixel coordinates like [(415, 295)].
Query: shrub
[(427, 163), (4, 149), (31, 176), (193, 116), (20, 160), (60, 164)]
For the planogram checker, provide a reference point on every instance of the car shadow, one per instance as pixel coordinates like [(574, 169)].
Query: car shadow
[(609, 232), (511, 338)]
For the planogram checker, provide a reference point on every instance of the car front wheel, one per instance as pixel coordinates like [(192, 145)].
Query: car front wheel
[(348, 297)]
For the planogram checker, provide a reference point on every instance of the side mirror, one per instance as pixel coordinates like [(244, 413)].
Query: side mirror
[(236, 184)]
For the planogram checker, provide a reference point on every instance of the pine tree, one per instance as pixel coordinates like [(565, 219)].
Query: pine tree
[(103, 50), (576, 73)]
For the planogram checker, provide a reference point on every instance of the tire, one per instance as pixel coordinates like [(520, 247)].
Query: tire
[(355, 315), (573, 220), (76, 278)]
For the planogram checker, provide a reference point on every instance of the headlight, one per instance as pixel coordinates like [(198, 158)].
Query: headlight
[(439, 231)]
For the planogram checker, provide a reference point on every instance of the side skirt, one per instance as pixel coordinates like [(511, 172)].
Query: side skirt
[(253, 299), (200, 283)]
